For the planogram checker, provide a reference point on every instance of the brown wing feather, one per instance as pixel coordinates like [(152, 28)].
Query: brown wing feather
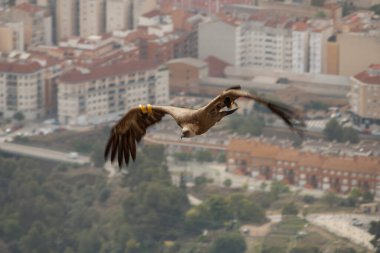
[(291, 116), (129, 130)]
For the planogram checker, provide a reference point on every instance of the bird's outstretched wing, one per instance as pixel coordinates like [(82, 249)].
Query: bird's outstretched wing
[(291, 116), (130, 129)]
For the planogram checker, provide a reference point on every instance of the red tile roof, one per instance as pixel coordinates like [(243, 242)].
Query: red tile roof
[(152, 13), (365, 76), (19, 67), (360, 164), (120, 68), (300, 26), (28, 7)]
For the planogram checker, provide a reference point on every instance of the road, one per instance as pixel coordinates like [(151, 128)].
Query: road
[(41, 153)]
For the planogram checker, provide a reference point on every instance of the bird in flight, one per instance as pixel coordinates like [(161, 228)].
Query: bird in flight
[(132, 127)]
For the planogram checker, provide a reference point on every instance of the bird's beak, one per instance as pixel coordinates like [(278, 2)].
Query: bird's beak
[(233, 104)]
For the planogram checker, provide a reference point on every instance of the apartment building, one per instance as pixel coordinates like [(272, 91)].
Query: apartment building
[(210, 7), (91, 17), (28, 84), (310, 170), (98, 94), (361, 30), (138, 8), (320, 31), (261, 43), (11, 36), (67, 18), (221, 38), (118, 14), (36, 22), (300, 49), (269, 43), (364, 97), (185, 73)]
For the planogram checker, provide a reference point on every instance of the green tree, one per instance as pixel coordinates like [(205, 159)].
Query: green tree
[(183, 157), (376, 9), (197, 219), (330, 198), (290, 209), (345, 250), (246, 124), (229, 243), (308, 199), (36, 240), (149, 166), (19, 116), (304, 249), (227, 183), (200, 180), (320, 14), (318, 3), (350, 134), (155, 212), (375, 231), (347, 8), (277, 187), (203, 156), (97, 155), (221, 158), (333, 131), (219, 210), (246, 210), (89, 242)]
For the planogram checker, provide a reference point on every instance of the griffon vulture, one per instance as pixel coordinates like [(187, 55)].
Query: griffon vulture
[(132, 127)]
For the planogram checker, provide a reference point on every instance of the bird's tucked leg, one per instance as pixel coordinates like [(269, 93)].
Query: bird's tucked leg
[(226, 113), (146, 109)]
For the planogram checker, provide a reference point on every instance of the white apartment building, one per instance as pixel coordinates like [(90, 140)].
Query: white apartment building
[(91, 17), (221, 39), (22, 89), (252, 43), (117, 14), (300, 48), (67, 18), (320, 31), (271, 45), (28, 84), (101, 94), (280, 44)]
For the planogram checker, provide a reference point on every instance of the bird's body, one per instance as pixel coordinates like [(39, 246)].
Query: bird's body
[(132, 127)]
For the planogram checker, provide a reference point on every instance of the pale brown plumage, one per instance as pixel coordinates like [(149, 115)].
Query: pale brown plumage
[(132, 127)]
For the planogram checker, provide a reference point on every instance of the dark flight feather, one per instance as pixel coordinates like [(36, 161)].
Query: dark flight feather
[(128, 132)]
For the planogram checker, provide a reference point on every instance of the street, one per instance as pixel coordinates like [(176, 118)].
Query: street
[(42, 153)]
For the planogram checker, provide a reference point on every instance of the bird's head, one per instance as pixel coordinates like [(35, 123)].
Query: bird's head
[(229, 103), (186, 133)]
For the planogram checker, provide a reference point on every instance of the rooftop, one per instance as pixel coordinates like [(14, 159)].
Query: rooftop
[(120, 68), (28, 7), (190, 61), (216, 66), (371, 75), (260, 149)]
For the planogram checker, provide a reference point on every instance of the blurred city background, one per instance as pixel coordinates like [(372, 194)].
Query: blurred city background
[(70, 69)]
